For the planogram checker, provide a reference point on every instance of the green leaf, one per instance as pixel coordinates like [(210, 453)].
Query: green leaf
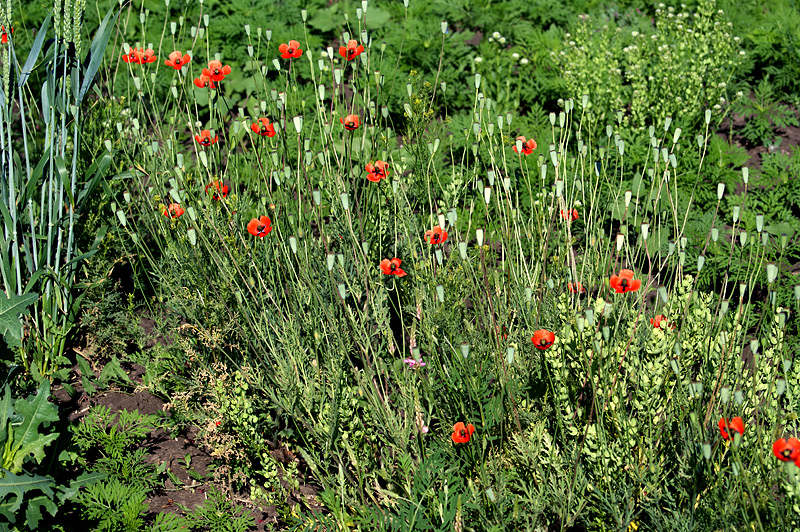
[(85, 479), (33, 55), (65, 180), (113, 371), (10, 310), (27, 438), (33, 514), (18, 486), (96, 52)]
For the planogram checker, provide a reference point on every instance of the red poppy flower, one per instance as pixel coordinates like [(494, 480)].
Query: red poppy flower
[(786, 450), (352, 50), (291, 50), (527, 145), (462, 433), (263, 127), (204, 82), (377, 171), (392, 267), (218, 189), (543, 339), (204, 138), (577, 288), (260, 226), (624, 282), (176, 60), (173, 210), (133, 56), (727, 428), (215, 71), (660, 320), (140, 56), (4, 34), (566, 214), (350, 122), (437, 235)]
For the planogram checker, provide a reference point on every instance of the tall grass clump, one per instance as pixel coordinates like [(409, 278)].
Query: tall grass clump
[(47, 177), (462, 328)]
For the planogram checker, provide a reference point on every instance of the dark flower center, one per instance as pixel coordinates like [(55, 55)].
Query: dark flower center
[(177, 62), (463, 433), (261, 228), (216, 71), (263, 128)]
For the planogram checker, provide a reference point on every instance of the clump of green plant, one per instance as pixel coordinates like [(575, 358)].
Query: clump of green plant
[(763, 115), (677, 70), (26, 429)]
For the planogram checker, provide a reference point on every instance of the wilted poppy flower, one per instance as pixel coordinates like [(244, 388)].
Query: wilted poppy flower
[(218, 189), (567, 214), (377, 171), (727, 428), (204, 138), (176, 60), (786, 450), (173, 210), (527, 145), (350, 122), (392, 267), (624, 282), (543, 339), (4, 34), (291, 50), (204, 82), (260, 226), (437, 235), (263, 127), (462, 433), (352, 50), (215, 70), (576, 288)]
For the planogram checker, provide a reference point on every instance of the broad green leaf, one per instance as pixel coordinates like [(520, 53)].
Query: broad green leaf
[(18, 486), (27, 438), (97, 50), (10, 310), (36, 49), (65, 179)]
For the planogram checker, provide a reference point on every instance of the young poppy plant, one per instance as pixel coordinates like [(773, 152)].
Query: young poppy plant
[(462, 433), (527, 145), (437, 235), (260, 227), (205, 139), (728, 427), (543, 339), (173, 210), (204, 82), (392, 267), (350, 122), (218, 190), (624, 282), (291, 50), (570, 214), (377, 171), (352, 50), (786, 450), (263, 127), (215, 71), (176, 60)]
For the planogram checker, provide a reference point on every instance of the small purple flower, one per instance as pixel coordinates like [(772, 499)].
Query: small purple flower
[(414, 364)]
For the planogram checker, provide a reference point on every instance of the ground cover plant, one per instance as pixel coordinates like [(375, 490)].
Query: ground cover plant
[(471, 282)]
